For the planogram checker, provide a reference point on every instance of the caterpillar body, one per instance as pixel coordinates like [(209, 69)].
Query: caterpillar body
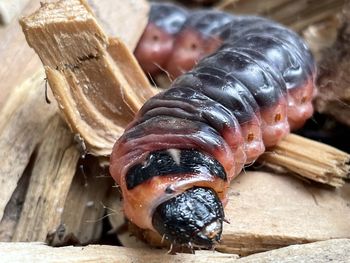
[(250, 81)]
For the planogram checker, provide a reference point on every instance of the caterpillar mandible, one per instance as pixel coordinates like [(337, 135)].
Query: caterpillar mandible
[(252, 80)]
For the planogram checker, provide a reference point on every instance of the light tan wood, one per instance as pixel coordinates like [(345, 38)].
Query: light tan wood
[(268, 211), (13, 208), (18, 61), (22, 123), (83, 212), (49, 183), (19, 139), (38, 252), (335, 250), (96, 81), (9, 9), (310, 159), (123, 19)]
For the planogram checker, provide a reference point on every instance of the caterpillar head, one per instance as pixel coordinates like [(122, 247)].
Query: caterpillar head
[(193, 217)]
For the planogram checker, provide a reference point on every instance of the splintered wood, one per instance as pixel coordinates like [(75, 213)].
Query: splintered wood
[(96, 80), (310, 159), (58, 149), (20, 131)]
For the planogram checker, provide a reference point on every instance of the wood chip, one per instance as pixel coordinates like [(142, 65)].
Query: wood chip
[(38, 252), (335, 250), (96, 81), (13, 208), (310, 159), (82, 217), (49, 183), (22, 124), (268, 211)]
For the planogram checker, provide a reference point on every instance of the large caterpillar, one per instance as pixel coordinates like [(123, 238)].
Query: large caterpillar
[(175, 161)]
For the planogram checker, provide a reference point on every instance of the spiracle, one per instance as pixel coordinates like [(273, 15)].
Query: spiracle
[(248, 82)]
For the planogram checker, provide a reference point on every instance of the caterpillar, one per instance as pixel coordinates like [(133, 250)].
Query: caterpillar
[(248, 82)]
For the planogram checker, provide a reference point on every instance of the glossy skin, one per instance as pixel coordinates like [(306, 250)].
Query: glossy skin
[(248, 94), (157, 42)]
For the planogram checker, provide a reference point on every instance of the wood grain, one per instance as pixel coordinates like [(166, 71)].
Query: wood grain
[(22, 123), (96, 80), (49, 184)]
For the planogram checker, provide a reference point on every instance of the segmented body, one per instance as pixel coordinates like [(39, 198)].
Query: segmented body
[(249, 81)]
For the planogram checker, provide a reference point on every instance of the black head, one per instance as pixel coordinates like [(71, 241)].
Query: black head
[(193, 217)]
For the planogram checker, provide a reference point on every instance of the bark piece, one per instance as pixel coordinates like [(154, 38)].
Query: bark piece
[(334, 77), (22, 123), (96, 81), (51, 178), (322, 35)]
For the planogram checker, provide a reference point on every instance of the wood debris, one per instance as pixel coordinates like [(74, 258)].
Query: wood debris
[(20, 131), (295, 14), (334, 250), (310, 159), (334, 77), (38, 252), (266, 211), (96, 80), (319, 252), (49, 183)]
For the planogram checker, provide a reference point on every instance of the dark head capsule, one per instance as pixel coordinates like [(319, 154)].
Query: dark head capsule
[(193, 217)]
